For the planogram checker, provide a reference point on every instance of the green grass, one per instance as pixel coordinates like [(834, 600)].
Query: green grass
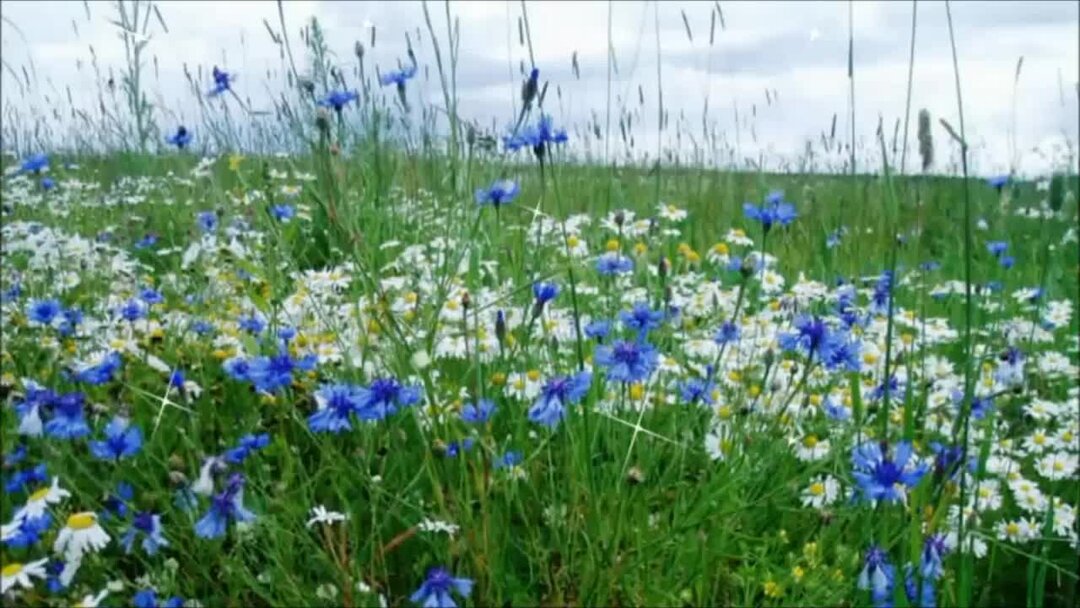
[(595, 521)]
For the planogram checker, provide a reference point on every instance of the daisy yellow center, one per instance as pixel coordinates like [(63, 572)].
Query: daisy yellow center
[(1059, 466), (640, 248), (637, 391), (755, 390), (810, 441), (81, 521), (817, 488), (738, 232), (720, 249), (11, 570), (533, 375), (38, 495), (612, 245), (1012, 528), (572, 241), (519, 384), (498, 378), (1039, 439), (724, 411)]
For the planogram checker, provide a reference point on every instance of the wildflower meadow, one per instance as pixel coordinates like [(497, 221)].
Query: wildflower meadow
[(333, 344)]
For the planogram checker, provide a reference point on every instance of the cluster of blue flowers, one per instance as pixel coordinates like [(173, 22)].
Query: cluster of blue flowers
[(339, 403), (832, 347), (878, 575)]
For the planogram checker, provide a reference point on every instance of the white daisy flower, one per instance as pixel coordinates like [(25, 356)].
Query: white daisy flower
[(435, 525), (1055, 466), (821, 492), (1019, 531), (321, 515), (810, 448), (82, 534), (39, 501), (718, 442), (92, 601), (19, 575)]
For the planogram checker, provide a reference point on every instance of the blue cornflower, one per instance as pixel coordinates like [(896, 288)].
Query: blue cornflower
[(224, 507), (833, 240), (222, 82), (35, 163), (611, 264), (147, 241), (641, 318), (48, 183), (549, 407), (132, 310), (628, 361), (810, 336), (11, 293), (981, 406), (253, 324), (877, 575), (149, 525), (882, 478), (840, 351), (478, 413), (15, 456), (29, 531), (181, 138), (1007, 261), (283, 213), (269, 374), (336, 403), (383, 397), (286, 334), (44, 311), (247, 445), (338, 99), (207, 220), (699, 390), (117, 502), (998, 182), (27, 478), (997, 248), (436, 588), (893, 384), (202, 327), (835, 410), (945, 458), (101, 372), (70, 318), (237, 368), (398, 77), (774, 211), (924, 597), (728, 332), (68, 421), (500, 192), (544, 292), (459, 447), (151, 296), (122, 440), (934, 548), (147, 598), (598, 330), (536, 137), (930, 266), (509, 460), (29, 409), (879, 299), (177, 379)]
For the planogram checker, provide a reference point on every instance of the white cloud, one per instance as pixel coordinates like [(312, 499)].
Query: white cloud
[(797, 49)]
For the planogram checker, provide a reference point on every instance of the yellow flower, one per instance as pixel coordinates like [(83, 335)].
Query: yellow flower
[(637, 391), (234, 162), (773, 590), (720, 249), (798, 573), (612, 245), (640, 248), (498, 378), (572, 241)]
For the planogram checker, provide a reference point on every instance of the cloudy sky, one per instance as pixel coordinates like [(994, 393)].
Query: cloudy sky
[(797, 49)]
